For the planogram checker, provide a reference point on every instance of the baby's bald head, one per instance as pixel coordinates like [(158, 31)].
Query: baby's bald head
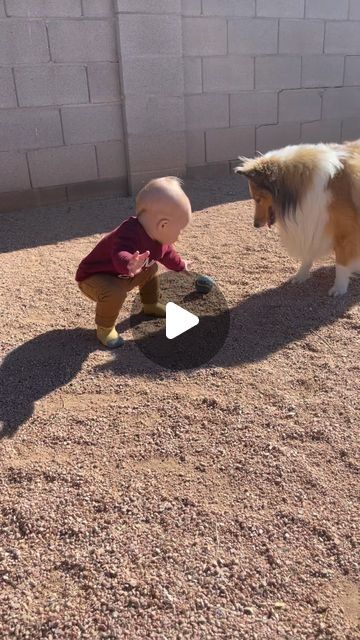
[(163, 209)]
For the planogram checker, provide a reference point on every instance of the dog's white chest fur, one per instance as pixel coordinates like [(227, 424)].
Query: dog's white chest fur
[(304, 233)]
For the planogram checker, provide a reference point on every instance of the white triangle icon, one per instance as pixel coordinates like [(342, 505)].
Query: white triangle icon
[(178, 320)]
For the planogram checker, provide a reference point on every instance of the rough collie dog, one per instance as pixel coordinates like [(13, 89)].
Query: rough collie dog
[(312, 193)]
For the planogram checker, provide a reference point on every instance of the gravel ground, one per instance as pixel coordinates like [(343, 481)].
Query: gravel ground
[(140, 503)]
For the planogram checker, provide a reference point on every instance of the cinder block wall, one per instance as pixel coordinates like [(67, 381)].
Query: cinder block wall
[(261, 74), (61, 122), (202, 81)]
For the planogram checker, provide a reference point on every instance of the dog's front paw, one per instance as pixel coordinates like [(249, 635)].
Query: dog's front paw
[(300, 276), (337, 290)]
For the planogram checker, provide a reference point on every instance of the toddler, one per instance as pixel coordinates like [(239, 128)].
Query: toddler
[(127, 257)]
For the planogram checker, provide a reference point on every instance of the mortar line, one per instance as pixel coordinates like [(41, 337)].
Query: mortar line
[(15, 87), (62, 126), (28, 168)]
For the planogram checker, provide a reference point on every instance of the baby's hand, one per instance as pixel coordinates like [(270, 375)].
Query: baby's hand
[(136, 262)]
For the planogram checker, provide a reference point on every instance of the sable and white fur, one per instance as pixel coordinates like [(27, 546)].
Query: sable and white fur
[(312, 192)]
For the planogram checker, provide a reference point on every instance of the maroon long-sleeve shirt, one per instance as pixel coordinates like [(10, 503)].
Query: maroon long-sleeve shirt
[(113, 252)]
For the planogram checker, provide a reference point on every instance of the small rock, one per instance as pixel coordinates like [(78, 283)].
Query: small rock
[(200, 467), (134, 602), (129, 585), (249, 611)]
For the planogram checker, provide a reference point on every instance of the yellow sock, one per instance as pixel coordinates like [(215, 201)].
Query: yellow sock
[(109, 337), (155, 309)]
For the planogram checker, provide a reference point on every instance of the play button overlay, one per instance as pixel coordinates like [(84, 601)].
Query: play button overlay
[(194, 330), (178, 320)]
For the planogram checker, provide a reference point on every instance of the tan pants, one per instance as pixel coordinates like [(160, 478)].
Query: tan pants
[(109, 292)]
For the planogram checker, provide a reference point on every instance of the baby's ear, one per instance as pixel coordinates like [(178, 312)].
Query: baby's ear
[(162, 223)]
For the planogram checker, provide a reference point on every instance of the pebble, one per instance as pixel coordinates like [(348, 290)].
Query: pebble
[(249, 611)]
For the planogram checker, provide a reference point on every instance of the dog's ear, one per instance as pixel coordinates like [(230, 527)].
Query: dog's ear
[(246, 168)]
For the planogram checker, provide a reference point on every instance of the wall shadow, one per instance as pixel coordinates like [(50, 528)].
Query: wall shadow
[(49, 225)]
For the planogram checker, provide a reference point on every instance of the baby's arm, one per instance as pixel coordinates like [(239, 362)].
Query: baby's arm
[(125, 256), (172, 260)]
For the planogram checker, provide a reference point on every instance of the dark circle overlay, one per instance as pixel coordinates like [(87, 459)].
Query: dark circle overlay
[(198, 345)]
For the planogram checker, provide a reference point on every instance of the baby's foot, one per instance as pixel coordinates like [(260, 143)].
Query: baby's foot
[(155, 309), (109, 337)]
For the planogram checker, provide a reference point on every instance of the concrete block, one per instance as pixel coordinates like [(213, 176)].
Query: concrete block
[(228, 73), (191, 7), (192, 75), (253, 107), (146, 35), (98, 8), (249, 36), (342, 102), (43, 8), (352, 70), (23, 41), (329, 10), (342, 37), (104, 81), (97, 189), (212, 171), (321, 131), (206, 111), (154, 114), (229, 144), (148, 6), (29, 129), (51, 85), (92, 123), (155, 152), (17, 200), (82, 40), (244, 8), (354, 10), (277, 72), (299, 105), (204, 36), (62, 165), (322, 71), (195, 147), (351, 129), (156, 75), (277, 136), (301, 36), (280, 8), (111, 159), (7, 89), (14, 172)]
